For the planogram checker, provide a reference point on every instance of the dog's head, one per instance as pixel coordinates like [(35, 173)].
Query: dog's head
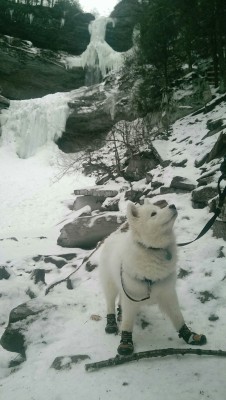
[(152, 224)]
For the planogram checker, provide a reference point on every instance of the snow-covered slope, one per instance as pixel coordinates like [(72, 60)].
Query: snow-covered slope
[(33, 208)]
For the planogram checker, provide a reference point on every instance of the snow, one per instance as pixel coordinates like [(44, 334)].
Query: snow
[(34, 205)]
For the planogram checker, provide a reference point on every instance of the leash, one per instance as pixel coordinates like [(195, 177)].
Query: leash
[(222, 196)]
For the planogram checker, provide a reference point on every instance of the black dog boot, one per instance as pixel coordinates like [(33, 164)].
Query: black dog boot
[(111, 326), (192, 337), (126, 345)]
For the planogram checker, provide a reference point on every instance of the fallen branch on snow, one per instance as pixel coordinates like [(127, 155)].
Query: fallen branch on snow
[(118, 360)]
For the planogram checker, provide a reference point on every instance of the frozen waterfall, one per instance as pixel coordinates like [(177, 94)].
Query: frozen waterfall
[(98, 56), (29, 124)]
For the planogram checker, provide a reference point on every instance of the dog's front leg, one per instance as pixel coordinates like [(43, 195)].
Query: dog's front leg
[(168, 303)]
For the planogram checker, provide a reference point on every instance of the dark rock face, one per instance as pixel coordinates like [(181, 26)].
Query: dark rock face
[(62, 27), (126, 14), (86, 232), (94, 111), (26, 74)]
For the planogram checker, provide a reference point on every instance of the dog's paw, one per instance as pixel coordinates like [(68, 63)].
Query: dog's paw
[(125, 349), (191, 337), (126, 345), (111, 326)]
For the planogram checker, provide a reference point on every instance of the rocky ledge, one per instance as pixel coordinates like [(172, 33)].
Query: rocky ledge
[(27, 72)]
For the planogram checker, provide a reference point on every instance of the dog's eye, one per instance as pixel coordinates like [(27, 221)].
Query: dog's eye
[(153, 214)]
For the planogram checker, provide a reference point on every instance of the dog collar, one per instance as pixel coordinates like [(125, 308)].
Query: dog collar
[(167, 253)]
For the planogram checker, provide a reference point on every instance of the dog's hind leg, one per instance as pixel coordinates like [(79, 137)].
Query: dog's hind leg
[(110, 291), (129, 311)]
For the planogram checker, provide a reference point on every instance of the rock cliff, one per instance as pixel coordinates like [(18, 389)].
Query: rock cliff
[(27, 72)]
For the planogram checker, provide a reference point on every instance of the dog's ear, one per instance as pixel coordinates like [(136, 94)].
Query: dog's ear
[(132, 210)]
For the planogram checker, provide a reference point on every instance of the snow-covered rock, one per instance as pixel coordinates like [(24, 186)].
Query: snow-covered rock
[(86, 232)]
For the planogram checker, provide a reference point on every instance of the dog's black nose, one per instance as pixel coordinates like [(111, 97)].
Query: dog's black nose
[(172, 206)]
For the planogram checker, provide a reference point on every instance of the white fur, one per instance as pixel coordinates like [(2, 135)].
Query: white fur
[(149, 226)]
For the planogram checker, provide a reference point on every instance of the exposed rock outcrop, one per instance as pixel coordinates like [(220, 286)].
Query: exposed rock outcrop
[(27, 72), (86, 232), (62, 27), (94, 111), (125, 14)]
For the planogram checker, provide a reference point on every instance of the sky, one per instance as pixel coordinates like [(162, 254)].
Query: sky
[(104, 7)]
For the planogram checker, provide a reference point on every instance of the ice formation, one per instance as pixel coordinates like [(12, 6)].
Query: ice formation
[(98, 55), (29, 124)]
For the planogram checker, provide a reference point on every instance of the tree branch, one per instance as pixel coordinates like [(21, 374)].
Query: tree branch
[(118, 360)]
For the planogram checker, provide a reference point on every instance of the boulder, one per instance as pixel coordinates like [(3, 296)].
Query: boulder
[(203, 195), (94, 202), (86, 232), (139, 165), (134, 195), (213, 124), (218, 151), (183, 184), (110, 204), (13, 339), (100, 191)]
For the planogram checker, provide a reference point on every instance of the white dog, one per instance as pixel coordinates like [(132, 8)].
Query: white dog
[(139, 265)]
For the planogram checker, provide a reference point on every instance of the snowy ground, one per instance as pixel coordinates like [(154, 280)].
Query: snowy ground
[(32, 207)]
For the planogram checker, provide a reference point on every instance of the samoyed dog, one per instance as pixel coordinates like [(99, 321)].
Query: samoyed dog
[(138, 263)]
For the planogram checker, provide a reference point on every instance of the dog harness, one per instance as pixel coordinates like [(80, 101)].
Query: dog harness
[(149, 283)]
